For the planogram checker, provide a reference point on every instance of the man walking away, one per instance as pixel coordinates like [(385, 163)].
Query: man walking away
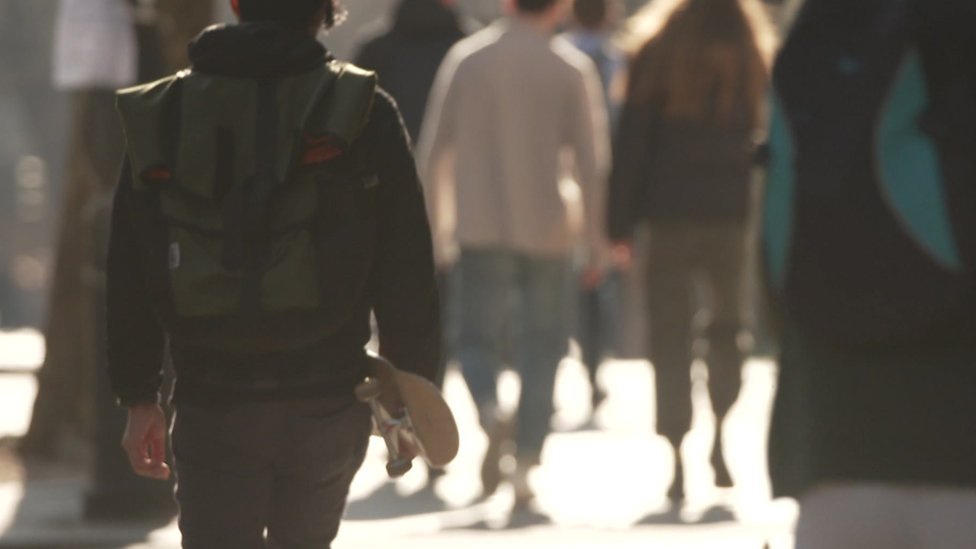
[(599, 306), (507, 103), (269, 201), (406, 58)]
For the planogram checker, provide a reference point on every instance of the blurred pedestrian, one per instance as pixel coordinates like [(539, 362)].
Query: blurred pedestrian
[(268, 202), (869, 231), (507, 102), (592, 29), (405, 58), (407, 55), (682, 163), (599, 307)]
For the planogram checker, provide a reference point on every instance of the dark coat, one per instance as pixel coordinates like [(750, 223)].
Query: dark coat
[(406, 57), (901, 412), (678, 170), (399, 287)]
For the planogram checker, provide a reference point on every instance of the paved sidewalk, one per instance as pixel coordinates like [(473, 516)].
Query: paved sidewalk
[(51, 522), (598, 480)]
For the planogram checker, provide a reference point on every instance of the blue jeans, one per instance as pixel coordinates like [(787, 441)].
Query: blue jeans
[(513, 308), (598, 312)]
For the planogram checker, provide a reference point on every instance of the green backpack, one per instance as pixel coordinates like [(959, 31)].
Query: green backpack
[(254, 205)]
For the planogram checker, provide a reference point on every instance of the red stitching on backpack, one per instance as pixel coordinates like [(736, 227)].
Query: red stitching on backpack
[(320, 149), (157, 174)]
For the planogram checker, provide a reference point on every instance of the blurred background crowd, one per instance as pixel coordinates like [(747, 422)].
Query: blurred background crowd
[(59, 65), (60, 146)]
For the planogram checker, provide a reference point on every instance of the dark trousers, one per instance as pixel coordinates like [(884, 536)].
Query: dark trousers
[(695, 302), (273, 474)]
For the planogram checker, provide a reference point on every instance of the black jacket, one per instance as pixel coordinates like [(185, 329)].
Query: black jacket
[(406, 57), (677, 170), (401, 289), (902, 411)]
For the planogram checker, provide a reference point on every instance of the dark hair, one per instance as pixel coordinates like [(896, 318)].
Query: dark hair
[(297, 13), (591, 14), (534, 6)]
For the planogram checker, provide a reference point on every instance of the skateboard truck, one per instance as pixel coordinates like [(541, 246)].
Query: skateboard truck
[(393, 429), (410, 414)]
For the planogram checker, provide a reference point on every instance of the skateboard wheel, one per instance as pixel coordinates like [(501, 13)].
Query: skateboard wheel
[(398, 467), (368, 390)]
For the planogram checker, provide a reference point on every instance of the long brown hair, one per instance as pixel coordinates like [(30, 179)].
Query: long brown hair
[(701, 60)]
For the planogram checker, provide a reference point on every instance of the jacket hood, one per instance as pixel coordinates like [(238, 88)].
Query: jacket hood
[(255, 50), (424, 17)]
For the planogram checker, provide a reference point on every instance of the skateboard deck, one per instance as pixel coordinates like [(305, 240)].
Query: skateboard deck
[(408, 409)]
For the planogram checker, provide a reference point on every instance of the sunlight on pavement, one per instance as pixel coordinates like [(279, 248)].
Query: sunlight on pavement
[(599, 476), (10, 495), (601, 473), (17, 392), (21, 350), (21, 353)]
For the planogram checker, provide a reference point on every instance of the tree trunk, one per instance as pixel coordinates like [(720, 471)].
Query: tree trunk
[(63, 421)]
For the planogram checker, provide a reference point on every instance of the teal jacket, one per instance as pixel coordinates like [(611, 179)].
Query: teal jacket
[(868, 245), (871, 175)]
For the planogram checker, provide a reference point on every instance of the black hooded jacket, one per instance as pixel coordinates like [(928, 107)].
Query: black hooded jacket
[(401, 289), (406, 57)]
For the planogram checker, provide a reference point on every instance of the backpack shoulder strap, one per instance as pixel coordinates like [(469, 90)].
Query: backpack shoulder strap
[(342, 103), (152, 112)]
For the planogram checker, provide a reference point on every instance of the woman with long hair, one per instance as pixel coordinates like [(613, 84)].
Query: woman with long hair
[(698, 77)]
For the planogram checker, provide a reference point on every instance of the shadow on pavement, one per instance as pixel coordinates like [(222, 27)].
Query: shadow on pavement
[(51, 513), (674, 516), (525, 517), (669, 516), (386, 503), (519, 518)]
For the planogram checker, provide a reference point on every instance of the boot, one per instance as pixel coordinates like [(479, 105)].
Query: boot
[(520, 483), (723, 479), (676, 493), (672, 513), (499, 436)]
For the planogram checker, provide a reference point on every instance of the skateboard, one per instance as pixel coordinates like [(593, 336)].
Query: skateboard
[(408, 410)]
